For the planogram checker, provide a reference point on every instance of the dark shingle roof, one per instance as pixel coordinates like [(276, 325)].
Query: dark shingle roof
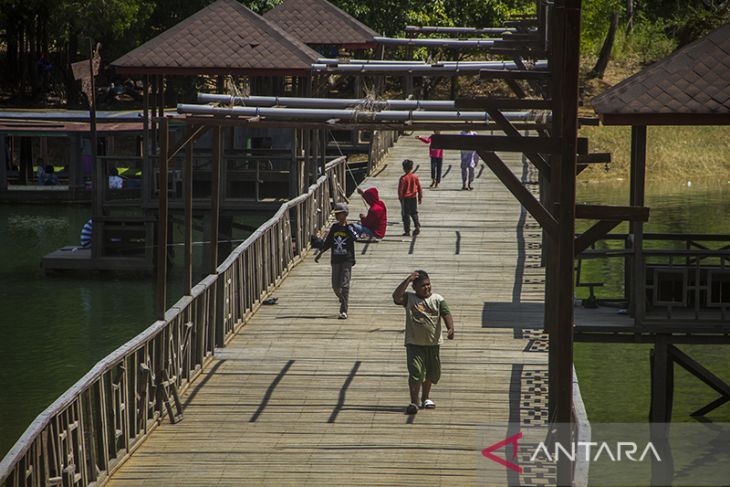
[(691, 86), (320, 22), (223, 38)]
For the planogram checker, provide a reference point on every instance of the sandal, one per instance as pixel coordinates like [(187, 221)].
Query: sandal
[(428, 404)]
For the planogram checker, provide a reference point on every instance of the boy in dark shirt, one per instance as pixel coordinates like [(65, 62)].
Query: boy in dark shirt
[(341, 239)]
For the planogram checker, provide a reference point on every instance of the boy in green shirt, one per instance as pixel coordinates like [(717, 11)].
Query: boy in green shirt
[(424, 313)]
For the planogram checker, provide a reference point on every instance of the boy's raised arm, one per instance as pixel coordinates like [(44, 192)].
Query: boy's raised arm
[(399, 295)]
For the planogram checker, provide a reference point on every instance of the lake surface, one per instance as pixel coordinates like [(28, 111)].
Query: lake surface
[(614, 378), (54, 329)]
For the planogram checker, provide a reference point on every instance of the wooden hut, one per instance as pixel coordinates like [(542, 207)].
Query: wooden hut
[(678, 284)]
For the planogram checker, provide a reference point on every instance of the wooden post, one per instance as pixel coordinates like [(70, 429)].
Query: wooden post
[(188, 192), (661, 381), (215, 199), (3, 164), (637, 187), (293, 166), (146, 166), (161, 295), (567, 55), (153, 107)]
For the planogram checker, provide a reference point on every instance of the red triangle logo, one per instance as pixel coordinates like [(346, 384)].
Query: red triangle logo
[(487, 452)]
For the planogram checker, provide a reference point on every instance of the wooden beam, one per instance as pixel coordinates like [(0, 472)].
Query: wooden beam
[(523, 195), (485, 103), (192, 132), (694, 368), (545, 145), (594, 158), (161, 295), (516, 88), (605, 212), (188, 225), (215, 199), (590, 236), (509, 129), (514, 74)]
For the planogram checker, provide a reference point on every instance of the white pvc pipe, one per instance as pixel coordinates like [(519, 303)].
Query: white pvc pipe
[(465, 43), (324, 115)]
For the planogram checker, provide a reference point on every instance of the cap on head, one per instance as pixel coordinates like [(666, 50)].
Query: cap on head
[(341, 208)]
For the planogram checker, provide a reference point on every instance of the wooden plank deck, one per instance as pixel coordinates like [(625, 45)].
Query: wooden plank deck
[(302, 398)]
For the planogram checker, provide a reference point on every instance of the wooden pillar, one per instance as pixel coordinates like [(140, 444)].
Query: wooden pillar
[(215, 199), (153, 122), (637, 192), (293, 166), (188, 238), (161, 295), (567, 54), (146, 165), (3, 163), (662, 379)]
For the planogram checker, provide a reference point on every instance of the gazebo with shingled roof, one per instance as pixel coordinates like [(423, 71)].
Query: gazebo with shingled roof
[(689, 87)]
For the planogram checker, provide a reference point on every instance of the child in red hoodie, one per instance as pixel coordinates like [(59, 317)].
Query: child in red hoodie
[(410, 195), (372, 225)]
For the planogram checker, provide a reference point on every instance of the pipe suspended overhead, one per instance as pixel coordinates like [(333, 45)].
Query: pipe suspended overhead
[(485, 64), (354, 115), (414, 69), (427, 29), (354, 103), (453, 43), (338, 103)]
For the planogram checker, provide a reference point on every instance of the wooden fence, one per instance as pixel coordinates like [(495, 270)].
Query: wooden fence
[(88, 432), (380, 142)]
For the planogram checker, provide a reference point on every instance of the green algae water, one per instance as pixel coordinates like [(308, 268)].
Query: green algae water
[(614, 378), (53, 329)]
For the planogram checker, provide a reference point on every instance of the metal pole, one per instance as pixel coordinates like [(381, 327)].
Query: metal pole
[(161, 295)]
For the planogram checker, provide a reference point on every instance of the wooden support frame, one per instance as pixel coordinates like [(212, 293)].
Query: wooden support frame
[(596, 232), (703, 374), (545, 145), (523, 195), (511, 131), (215, 199)]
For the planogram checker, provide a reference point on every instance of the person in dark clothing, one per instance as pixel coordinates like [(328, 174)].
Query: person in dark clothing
[(410, 196), (374, 223), (341, 239)]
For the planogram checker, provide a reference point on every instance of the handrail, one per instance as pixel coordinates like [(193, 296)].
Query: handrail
[(88, 432), (582, 433)]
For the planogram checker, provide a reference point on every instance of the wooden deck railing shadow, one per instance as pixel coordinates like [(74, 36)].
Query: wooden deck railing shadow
[(90, 430)]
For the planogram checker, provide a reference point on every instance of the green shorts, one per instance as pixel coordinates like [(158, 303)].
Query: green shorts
[(424, 363)]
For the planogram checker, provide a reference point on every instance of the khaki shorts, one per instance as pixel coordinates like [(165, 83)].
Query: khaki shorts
[(424, 363)]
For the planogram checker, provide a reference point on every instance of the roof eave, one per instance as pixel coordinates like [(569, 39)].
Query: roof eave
[(664, 119)]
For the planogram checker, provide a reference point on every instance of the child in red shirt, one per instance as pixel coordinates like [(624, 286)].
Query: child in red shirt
[(410, 195)]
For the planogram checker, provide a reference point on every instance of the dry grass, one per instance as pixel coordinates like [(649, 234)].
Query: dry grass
[(673, 153)]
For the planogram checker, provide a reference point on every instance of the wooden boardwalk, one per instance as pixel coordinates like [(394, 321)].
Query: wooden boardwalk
[(301, 398)]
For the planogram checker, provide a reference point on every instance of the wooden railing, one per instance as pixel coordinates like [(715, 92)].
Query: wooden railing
[(683, 279), (88, 432), (380, 142)]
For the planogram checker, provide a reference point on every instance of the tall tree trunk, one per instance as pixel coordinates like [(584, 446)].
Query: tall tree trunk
[(629, 16), (605, 55)]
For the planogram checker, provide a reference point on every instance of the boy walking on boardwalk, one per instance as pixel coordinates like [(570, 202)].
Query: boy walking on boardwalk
[(424, 313), (341, 239), (410, 196)]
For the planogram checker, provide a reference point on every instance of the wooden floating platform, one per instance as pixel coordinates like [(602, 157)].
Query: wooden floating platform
[(72, 258), (299, 397)]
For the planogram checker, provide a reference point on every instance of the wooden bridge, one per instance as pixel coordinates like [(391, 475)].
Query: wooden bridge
[(298, 397)]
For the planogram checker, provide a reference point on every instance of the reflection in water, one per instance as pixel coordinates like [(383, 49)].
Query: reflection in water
[(615, 378), (54, 329)]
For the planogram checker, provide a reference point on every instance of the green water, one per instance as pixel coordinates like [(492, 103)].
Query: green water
[(614, 378), (54, 329)]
